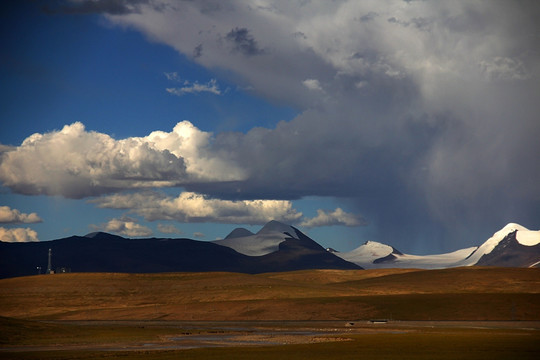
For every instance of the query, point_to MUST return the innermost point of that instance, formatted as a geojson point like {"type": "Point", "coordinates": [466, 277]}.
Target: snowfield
{"type": "Point", "coordinates": [371, 254]}
{"type": "Point", "coordinates": [264, 242]}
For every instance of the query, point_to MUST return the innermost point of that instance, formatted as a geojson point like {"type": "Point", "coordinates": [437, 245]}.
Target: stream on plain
{"type": "Point", "coordinates": [203, 334]}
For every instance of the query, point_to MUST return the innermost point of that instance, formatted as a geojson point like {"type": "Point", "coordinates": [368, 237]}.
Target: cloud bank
{"type": "Point", "coordinates": [336, 217]}
{"type": "Point", "coordinates": [14, 216]}
{"type": "Point", "coordinates": [168, 229]}
{"type": "Point", "coordinates": [18, 235]}
{"type": "Point", "coordinates": [124, 226]}
{"type": "Point", "coordinates": [423, 115]}
{"type": "Point", "coordinates": [192, 207]}
{"type": "Point", "coordinates": [428, 117]}
{"type": "Point", "coordinates": [76, 163]}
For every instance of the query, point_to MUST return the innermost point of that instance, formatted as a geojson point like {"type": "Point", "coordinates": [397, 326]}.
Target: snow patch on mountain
{"type": "Point", "coordinates": [436, 261]}
{"type": "Point", "coordinates": [367, 253]}
{"type": "Point", "coordinates": [491, 243]}
{"type": "Point", "coordinates": [265, 241]}
{"type": "Point", "coordinates": [528, 238]}
{"type": "Point", "coordinates": [376, 255]}
{"type": "Point", "coordinates": [373, 255]}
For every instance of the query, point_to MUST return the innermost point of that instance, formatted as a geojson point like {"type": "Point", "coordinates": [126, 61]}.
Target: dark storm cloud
{"type": "Point", "coordinates": [111, 7]}
{"type": "Point", "coordinates": [197, 52]}
{"type": "Point", "coordinates": [423, 114]}
{"type": "Point", "coordinates": [432, 134]}
{"type": "Point", "coordinates": [243, 42]}
{"type": "Point", "coordinates": [369, 16]}
{"type": "Point", "coordinates": [333, 153]}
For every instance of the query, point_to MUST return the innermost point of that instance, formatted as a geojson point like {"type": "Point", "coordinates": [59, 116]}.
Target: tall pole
{"type": "Point", "coordinates": [49, 265]}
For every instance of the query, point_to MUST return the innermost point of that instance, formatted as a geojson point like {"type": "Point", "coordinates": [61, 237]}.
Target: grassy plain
{"type": "Point", "coordinates": [450, 294]}
{"type": "Point", "coordinates": [433, 340]}
{"type": "Point", "coordinates": [143, 316]}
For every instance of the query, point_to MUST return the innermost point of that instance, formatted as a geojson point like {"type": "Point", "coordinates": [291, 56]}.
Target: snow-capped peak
{"type": "Point", "coordinates": [493, 241]}
{"type": "Point", "coordinates": [373, 254]}
{"type": "Point", "coordinates": [374, 248]}
{"type": "Point", "coordinates": [265, 241]}
{"type": "Point", "coordinates": [367, 252]}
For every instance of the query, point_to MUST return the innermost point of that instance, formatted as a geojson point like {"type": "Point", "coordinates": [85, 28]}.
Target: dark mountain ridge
{"type": "Point", "coordinates": [103, 252]}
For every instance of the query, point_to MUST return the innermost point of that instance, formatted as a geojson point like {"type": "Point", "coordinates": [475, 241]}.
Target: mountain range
{"type": "Point", "coordinates": [512, 246]}
{"type": "Point", "coordinates": [276, 247]}
{"type": "Point", "coordinates": [283, 248]}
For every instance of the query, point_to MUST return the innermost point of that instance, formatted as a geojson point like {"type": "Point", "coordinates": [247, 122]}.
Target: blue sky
{"type": "Point", "coordinates": [410, 123]}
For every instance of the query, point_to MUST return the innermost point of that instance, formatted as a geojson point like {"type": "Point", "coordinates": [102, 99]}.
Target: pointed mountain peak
{"type": "Point", "coordinates": [238, 233]}
{"type": "Point", "coordinates": [276, 226]}
{"type": "Point", "coordinates": [511, 227]}
{"type": "Point", "coordinates": [507, 229]}
{"type": "Point", "coordinates": [373, 243]}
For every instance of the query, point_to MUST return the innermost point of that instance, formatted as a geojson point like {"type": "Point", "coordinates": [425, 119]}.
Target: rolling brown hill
{"type": "Point", "coordinates": [402, 294]}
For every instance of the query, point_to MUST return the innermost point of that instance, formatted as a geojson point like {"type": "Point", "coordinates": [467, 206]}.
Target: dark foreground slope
{"type": "Point", "coordinates": [102, 252]}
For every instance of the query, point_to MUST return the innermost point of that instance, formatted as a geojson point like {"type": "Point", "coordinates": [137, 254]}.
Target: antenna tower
{"type": "Point", "coordinates": [49, 265]}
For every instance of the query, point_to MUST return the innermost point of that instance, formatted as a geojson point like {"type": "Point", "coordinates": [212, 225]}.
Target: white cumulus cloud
{"type": "Point", "coordinates": [203, 162]}
{"type": "Point", "coordinates": [76, 163]}
{"type": "Point", "coordinates": [124, 226]}
{"type": "Point", "coordinates": [168, 229]}
{"type": "Point", "coordinates": [312, 84]}
{"type": "Point", "coordinates": [336, 217]}
{"type": "Point", "coordinates": [14, 216]}
{"type": "Point", "coordinates": [192, 207]}
{"type": "Point", "coordinates": [18, 235]}
{"type": "Point", "coordinates": [173, 76]}
{"type": "Point", "coordinates": [195, 88]}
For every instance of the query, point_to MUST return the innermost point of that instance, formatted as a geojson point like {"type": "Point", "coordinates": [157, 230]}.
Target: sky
{"type": "Point", "coordinates": [412, 123]}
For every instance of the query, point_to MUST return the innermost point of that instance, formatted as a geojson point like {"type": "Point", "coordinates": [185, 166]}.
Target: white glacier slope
{"type": "Point", "coordinates": [264, 242]}
{"type": "Point", "coordinates": [373, 255]}
{"type": "Point", "coordinates": [366, 253]}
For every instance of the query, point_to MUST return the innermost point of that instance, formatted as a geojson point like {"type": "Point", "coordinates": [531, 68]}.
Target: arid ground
{"type": "Point", "coordinates": [468, 313]}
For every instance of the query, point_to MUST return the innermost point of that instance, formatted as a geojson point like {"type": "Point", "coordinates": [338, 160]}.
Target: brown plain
{"type": "Point", "coordinates": [472, 293]}
{"type": "Point", "coordinates": [47, 316]}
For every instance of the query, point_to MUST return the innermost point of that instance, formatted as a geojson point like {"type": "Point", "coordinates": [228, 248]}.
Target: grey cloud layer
{"type": "Point", "coordinates": [116, 7]}
{"type": "Point", "coordinates": [425, 112]}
